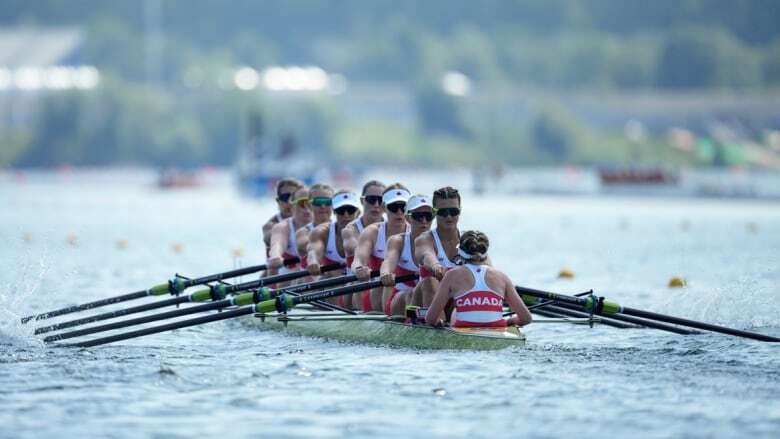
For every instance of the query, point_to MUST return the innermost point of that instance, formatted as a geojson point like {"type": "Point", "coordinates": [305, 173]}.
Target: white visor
{"type": "Point", "coordinates": [396, 196]}
{"type": "Point", "coordinates": [418, 201]}
{"type": "Point", "coordinates": [346, 199]}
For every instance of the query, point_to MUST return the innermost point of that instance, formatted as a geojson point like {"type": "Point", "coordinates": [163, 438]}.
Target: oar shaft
{"type": "Point", "coordinates": [112, 314]}
{"type": "Point", "coordinates": [138, 321]}
{"type": "Point", "coordinates": [608, 321]}
{"type": "Point", "coordinates": [633, 320]}
{"type": "Point", "coordinates": [229, 274]}
{"type": "Point", "coordinates": [167, 327]}
{"type": "Point", "coordinates": [198, 308]}
{"type": "Point", "coordinates": [86, 306]}
{"type": "Point", "coordinates": [611, 309]}
{"type": "Point", "coordinates": [698, 325]}
{"type": "Point", "coordinates": [270, 280]}
{"type": "Point", "coordinates": [176, 285]}
{"type": "Point", "coordinates": [262, 307]}
{"type": "Point", "coordinates": [286, 302]}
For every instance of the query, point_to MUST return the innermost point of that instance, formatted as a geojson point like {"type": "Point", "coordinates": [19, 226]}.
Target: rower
{"type": "Point", "coordinates": [371, 199]}
{"type": "Point", "coordinates": [285, 188]}
{"type": "Point", "coordinates": [478, 291]}
{"type": "Point", "coordinates": [372, 243]}
{"type": "Point", "coordinates": [326, 246]}
{"type": "Point", "coordinates": [321, 199]}
{"type": "Point", "coordinates": [436, 249]}
{"type": "Point", "coordinates": [284, 243]}
{"type": "Point", "coordinates": [399, 259]}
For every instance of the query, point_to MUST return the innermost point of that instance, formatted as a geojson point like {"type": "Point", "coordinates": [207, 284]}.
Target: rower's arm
{"type": "Point", "coordinates": [267, 227]}
{"type": "Point", "coordinates": [316, 247]}
{"type": "Point", "coordinates": [522, 316]}
{"type": "Point", "coordinates": [278, 242]}
{"type": "Point", "coordinates": [436, 310]}
{"type": "Point", "coordinates": [424, 250]}
{"type": "Point", "coordinates": [302, 239]}
{"type": "Point", "coordinates": [365, 247]}
{"type": "Point", "coordinates": [349, 238]}
{"type": "Point", "coordinates": [394, 247]}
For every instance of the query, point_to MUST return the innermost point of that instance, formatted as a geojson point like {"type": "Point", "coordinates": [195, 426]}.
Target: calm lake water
{"type": "Point", "coordinates": [72, 238]}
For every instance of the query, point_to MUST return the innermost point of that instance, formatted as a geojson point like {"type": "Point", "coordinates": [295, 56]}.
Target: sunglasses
{"type": "Point", "coordinates": [321, 201]}
{"type": "Point", "coordinates": [397, 207]}
{"type": "Point", "coordinates": [284, 198]}
{"type": "Point", "coordinates": [301, 202]}
{"type": "Point", "coordinates": [349, 210]}
{"type": "Point", "coordinates": [420, 216]}
{"type": "Point", "coordinates": [447, 211]}
{"type": "Point", "coordinates": [375, 200]}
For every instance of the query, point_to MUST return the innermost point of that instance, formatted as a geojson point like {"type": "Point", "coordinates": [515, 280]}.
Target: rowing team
{"type": "Point", "coordinates": [388, 230]}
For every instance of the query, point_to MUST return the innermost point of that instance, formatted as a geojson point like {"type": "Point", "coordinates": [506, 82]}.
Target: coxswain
{"type": "Point", "coordinates": [477, 290]}
{"type": "Point", "coordinates": [399, 258]}
{"type": "Point", "coordinates": [284, 244]}
{"type": "Point", "coordinates": [436, 250]}
{"type": "Point", "coordinates": [372, 243]}
{"type": "Point", "coordinates": [326, 246]}
{"type": "Point", "coordinates": [285, 188]}
{"type": "Point", "coordinates": [371, 200]}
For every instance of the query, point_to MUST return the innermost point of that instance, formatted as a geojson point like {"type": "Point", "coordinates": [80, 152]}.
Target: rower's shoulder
{"type": "Point", "coordinates": [424, 238]}
{"type": "Point", "coordinates": [371, 229]}
{"type": "Point", "coordinates": [458, 272]}
{"type": "Point", "coordinates": [319, 228]}
{"type": "Point", "coordinates": [496, 276]}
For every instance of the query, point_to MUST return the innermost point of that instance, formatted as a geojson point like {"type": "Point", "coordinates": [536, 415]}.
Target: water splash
{"type": "Point", "coordinates": [749, 301]}
{"type": "Point", "coordinates": [17, 294]}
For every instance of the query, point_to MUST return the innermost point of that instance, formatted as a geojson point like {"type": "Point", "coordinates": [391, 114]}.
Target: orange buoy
{"type": "Point", "coordinates": [565, 273]}
{"type": "Point", "coordinates": [177, 247]}
{"type": "Point", "coordinates": [677, 282]}
{"type": "Point", "coordinates": [237, 252]}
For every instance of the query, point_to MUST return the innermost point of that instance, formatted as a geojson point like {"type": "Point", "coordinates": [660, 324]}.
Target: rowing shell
{"type": "Point", "coordinates": [383, 331]}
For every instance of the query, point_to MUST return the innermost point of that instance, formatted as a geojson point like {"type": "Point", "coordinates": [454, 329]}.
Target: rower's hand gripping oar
{"type": "Point", "coordinates": [281, 303]}
{"type": "Point", "coordinates": [174, 286]}
{"type": "Point", "coordinates": [599, 306]}
{"type": "Point", "coordinates": [214, 292]}
{"type": "Point", "coordinates": [237, 300]}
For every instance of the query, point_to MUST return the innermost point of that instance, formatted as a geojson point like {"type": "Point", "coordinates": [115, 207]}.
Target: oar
{"type": "Point", "coordinates": [173, 286]}
{"type": "Point", "coordinates": [215, 292]}
{"type": "Point", "coordinates": [550, 310]}
{"type": "Point", "coordinates": [636, 321]}
{"type": "Point", "coordinates": [281, 303]}
{"type": "Point", "coordinates": [237, 300]}
{"type": "Point", "coordinates": [599, 306]}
